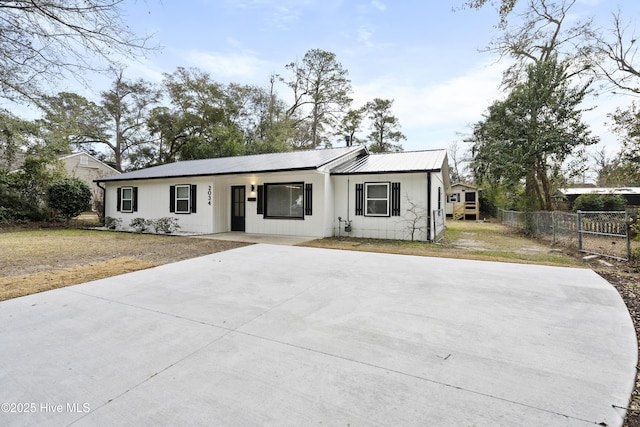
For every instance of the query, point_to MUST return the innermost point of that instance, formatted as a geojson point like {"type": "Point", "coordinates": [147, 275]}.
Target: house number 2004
{"type": "Point", "coordinates": [209, 195]}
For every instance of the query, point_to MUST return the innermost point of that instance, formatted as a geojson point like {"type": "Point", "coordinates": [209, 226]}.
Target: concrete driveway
{"type": "Point", "coordinates": [280, 335]}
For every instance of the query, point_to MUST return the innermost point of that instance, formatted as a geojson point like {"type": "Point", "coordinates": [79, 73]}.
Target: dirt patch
{"type": "Point", "coordinates": [17, 286]}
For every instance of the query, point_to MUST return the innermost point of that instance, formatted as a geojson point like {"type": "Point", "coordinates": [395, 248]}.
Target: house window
{"type": "Point", "coordinates": [182, 198]}
{"type": "Point", "coordinates": [376, 198]}
{"type": "Point", "coordinates": [84, 161]}
{"type": "Point", "coordinates": [453, 198]}
{"type": "Point", "coordinates": [284, 200]}
{"type": "Point", "coordinates": [127, 199]}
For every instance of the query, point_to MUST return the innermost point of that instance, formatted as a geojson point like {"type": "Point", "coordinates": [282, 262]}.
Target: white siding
{"type": "Point", "coordinates": [412, 186]}
{"type": "Point", "coordinates": [153, 203]}
{"type": "Point", "coordinates": [312, 225]}
{"type": "Point", "coordinates": [331, 196]}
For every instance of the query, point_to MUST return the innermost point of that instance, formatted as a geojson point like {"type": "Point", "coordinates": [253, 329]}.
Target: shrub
{"type": "Point", "coordinates": [599, 202]}
{"type": "Point", "coordinates": [112, 223]}
{"type": "Point", "coordinates": [140, 225]}
{"type": "Point", "coordinates": [70, 196]}
{"type": "Point", "coordinates": [165, 225]}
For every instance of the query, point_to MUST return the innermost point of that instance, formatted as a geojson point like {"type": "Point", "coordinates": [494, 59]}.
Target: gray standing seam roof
{"type": "Point", "coordinates": [271, 162]}
{"type": "Point", "coordinates": [408, 161]}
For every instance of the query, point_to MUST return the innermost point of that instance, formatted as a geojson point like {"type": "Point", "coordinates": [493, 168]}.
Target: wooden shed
{"type": "Point", "coordinates": [463, 202]}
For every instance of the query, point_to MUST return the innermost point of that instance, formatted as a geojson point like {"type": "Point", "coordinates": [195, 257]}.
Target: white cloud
{"type": "Point", "coordinates": [456, 100]}
{"type": "Point", "coordinates": [237, 67]}
{"type": "Point", "coordinates": [365, 36]}
{"type": "Point", "coordinates": [379, 5]}
{"type": "Point", "coordinates": [434, 114]}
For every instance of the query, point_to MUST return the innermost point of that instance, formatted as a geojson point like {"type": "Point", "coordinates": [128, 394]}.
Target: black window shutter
{"type": "Point", "coordinates": [172, 198]}
{"type": "Point", "coordinates": [194, 192]}
{"type": "Point", "coordinates": [308, 202]}
{"type": "Point", "coordinates": [119, 199]}
{"type": "Point", "coordinates": [260, 200]}
{"type": "Point", "coordinates": [395, 199]}
{"type": "Point", "coordinates": [359, 199]}
{"type": "Point", "coordinates": [135, 199]}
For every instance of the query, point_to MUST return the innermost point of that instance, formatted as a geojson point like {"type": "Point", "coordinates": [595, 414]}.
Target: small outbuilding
{"type": "Point", "coordinates": [315, 193]}
{"type": "Point", "coordinates": [463, 202]}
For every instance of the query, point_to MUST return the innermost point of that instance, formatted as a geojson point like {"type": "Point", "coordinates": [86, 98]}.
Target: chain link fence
{"type": "Point", "coordinates": [555, 227]}
{"type": "Point", "coordinates": [604, 233]}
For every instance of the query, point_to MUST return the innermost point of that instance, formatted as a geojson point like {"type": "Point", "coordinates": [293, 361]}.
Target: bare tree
{"type": "Point", "coordinates": [542, 35]}
{"type": "Point", "coordinates": [505, 8]}
{"type": "Point", "coordinates": [416, 219]}
{"type": "Point", "coordinates": [622, 69]}
{"type": "Point", "coordinates": [458, 162]}
{"type": "Point", "coordinates": [44, 41]}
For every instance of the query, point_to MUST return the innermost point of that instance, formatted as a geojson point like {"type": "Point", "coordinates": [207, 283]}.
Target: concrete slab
{"type": "Point", "coordinates": [280, 335]}
{"type": "Point", "coordinates": [271, 239]}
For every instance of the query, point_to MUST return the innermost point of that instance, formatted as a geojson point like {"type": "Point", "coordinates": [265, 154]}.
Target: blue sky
{"type": "Point", "coordinates": [422, 54]}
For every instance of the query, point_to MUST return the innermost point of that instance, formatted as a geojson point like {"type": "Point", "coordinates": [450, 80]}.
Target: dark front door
{"type": "Point", "coordinates": [237, 207]}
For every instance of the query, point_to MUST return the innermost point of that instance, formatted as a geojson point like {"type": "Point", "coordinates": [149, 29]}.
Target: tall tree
{"type": "Point", "coordinates": [265, 124]}
{"type": "Point", "coordinates": [626, 124]}
{"type": "Point", "coordinates": [505, 8]}
{"type": "Point", "coordinates": [458, 162]}
{"type": "Point", "coordinates": [43, 41]}
{"type": "Point", "coordinates": [71, 122]}
{"type": "Point", "coordinates": [350, 126]}
{"type": "Point", "coordinates": [531, 133]}
{"type": "Point", "coordinates": [127, 104]}
{"type": "Point", "coordinates": [547, 30]}
{"type": "Point", "coordinates": [205, 115]}
{"type": "Point", "coordinates": [622, 68]}
{"type": "Point", "coordinates": [15, 137]}
{"type": "Point", "coordinates": [321, 92]}
{"type": "Point", "coordinates": [384, 136]}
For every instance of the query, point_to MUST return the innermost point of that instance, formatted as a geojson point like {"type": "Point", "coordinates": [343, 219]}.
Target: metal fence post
{"type": "Point", "coordinates": [627, 222]}
{"type": "Point", "coordinates": [579, 230]}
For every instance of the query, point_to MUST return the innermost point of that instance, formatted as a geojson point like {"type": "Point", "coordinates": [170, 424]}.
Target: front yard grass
{"type": "Point", "coordinates": [483, 241]}
{"type": "Point", "coordinates": [38, 260]}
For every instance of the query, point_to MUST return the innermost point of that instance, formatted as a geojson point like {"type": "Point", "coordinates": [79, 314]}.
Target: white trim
{"type": "Point", "coordinates": [188, 199]}
{"type": "Point", "coordinates": [386, 199]}
{"type": "Point", "coordinates": [123, 199]}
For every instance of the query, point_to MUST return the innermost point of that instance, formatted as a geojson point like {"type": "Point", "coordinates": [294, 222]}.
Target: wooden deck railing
{"type": "Point", "coordinates": [462, 209]}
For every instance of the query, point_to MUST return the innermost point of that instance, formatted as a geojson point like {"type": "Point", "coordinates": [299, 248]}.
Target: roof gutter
{"type": "Point", "coordinates": [107, 179]}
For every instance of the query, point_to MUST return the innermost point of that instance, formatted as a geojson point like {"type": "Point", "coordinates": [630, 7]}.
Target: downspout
{"type": "Point", "coordinates": [104, 198]}
{"type": "Point", "coordinates": [429, 206]}
{"type": "Point", "coordinates": [348, 189]}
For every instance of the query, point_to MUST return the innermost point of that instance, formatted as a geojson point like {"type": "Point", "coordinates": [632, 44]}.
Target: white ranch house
{"type": "Point", "coordinates": [316, 193]}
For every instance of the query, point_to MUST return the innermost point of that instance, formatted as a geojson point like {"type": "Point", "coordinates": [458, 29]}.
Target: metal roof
{"type": "Point", "coordinates": [600, 190]}
{"type": "Point", "coordinates": [271, 162]}
{"type": "Point", "coordinates": [407, 161]}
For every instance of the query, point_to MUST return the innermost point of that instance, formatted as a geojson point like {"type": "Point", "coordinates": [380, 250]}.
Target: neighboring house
{"type": "Point", "coordinates": [463, 201]}
{"type": "Point", "coordinates": [632, 194]}
{"type": "Point", "coordinates": [89, 169]}
{"type": "Point", "coordinates": [316, 193]}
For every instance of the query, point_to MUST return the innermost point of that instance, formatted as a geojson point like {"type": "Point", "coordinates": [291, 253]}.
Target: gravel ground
{"type": "Point", "coordinates": [628, 286]}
